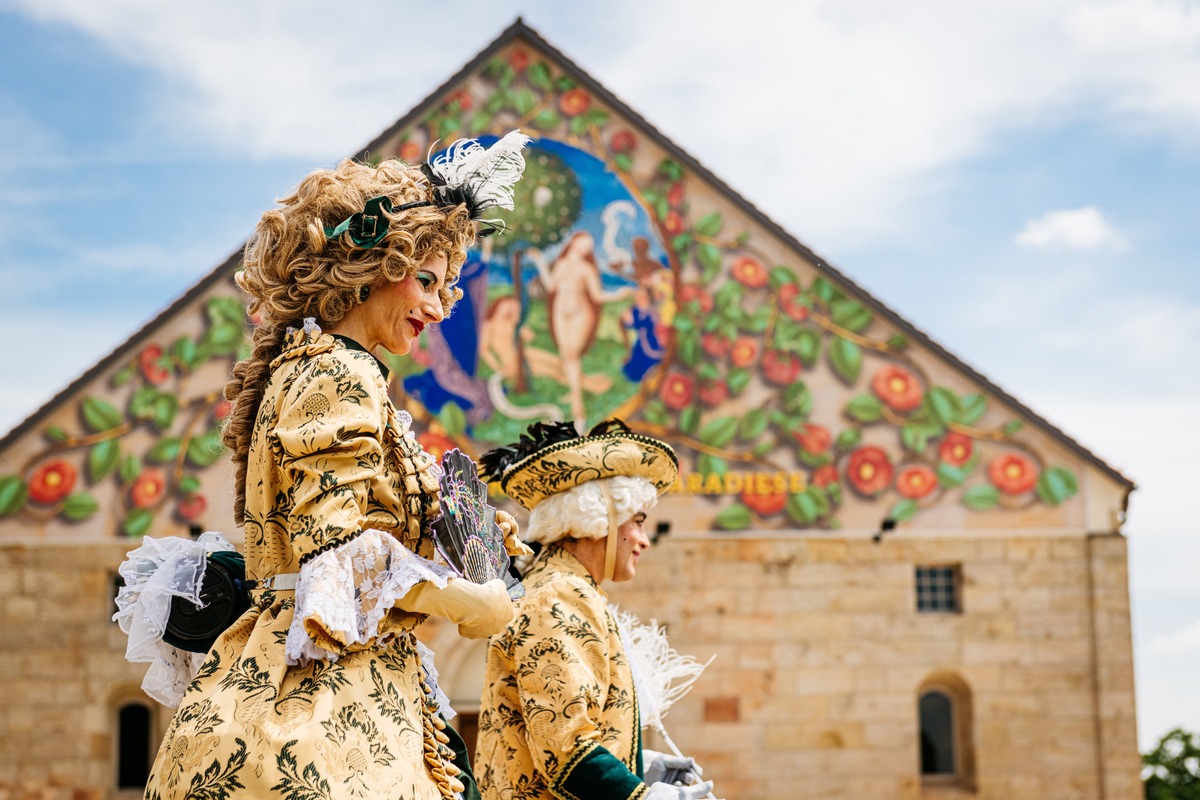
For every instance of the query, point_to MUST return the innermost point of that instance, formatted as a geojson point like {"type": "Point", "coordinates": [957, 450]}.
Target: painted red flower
{"type": "Point", "coordinates": [1012, 473]}
{"type": "Point", "coordinates": [574, 102]}
{"type": "Point", "coordinates": [677, 391]}
{"type": "Point", "coordinates": [825, 476]}
{"type": "Point", "coordinates": [869, 470]}
{"type": "Point", "coordinates": [191, 508]}
{"type": "Point", "coordinates": [816, 439]}
{"type": "Point", "coordinates": [148, 488]}
{"type": "Point", "coordinates": [765, 505]}
{"type": "Point", "coordinates": [675, 195]}
{"type": "Point", "coordinates": [898, 388]}
{"type": "Point", "coordinates": [916, 481]}
{"type": "Point", "coordinates": [221, 409]}
{"type": "Point", "coordinates": [749, 272]}
{"type": "Point", "coordinates": [52, 482]}
{"type": "Point", "coordinates": [714, 345]}
{"type": "Point", "coordinates": [780, 368]}
{"type": "Point", "coordinates": [623, 141]}
{"type": "Point", "coordinates": [519, 59]}
{"type": "Point", "coordinates": [690, 292]}
{"type": "Point", "coordinates": [148, 360]}
{"type": "Point", "coordinates": [713, 393]}
{"type": "Point", "coordinates": [463, 98]}
{"type": "Point", "coordinates": [673, 224]}
{"type": "Point", "coordinates": [744, 352]}
{"type": "Point", "coordinates": [435, 443]}
{"type": "Point", "coordinates": [956, 449]}
{"type": "Point", "coordinates": [410, 151]}
{"type": "Point", "coordinates": [789, 302]}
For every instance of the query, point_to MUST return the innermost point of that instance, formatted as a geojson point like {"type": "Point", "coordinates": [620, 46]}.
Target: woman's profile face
{"type": "Point", "coordinates": [397, 313]}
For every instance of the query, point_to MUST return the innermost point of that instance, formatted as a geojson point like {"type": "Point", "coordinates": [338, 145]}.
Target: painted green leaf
{"type": "Point", "coordinates": [797, 400]}
{"type": "Point", "coordinates": [55, 434]}
{"type": "Point", "coordinates": [708, 370]}
{"type": "Point", "coordinates": [752, 425]}
{"type": "Point", "coordinates": [122, 376]}
{"type": "Point", "coordinates": [141, 404]}
{"type": "Point", "coordinates": [812, 459]}
{"type": "Point", "coordinates": [539, 76]}
{"type": "Point", "coordinates": [547, 120]}
{"type": "Point", "coordinates": [738, 380]}
{"type": "Point", "coordinates": [801, 508]}
{"type": "Point", "coordinates": [448, 126]}
{"type": "Point", "coordinates": [848, 439]}
{"type": "Point", "coordinates": [13, 494]}
{"type": "Point", "coordinates": [226, 309]}
{"type": "Point", "coordinates": [710, 224]}
{"type": "Point", "coordinates": [524, 101]}
{"type": "Point", "coordinates": [189, 484]}
{"type": "Point", "coordinates": [184, 349]}
{"type": "Point", "coordinates": [654, 411]}
{"type": "Point", "coordinates": [904, 510]}
{"type": "Point", "coordinates": [981, 497]}
{"type": "Point", "coordinates": [164, 451]}
{"type": "Point", "coordinates": [850, 315]}
{"type": "Point", "coordinates": [138, 522]}
{"type": "Point", "coordinates": [865, 408]}
{"type": "Point", "coordinates": [690, 351]}
{"type": "Point", "coordinates": [205, 449]}
{"type": "Point", "coordinates": [846, 359]}
{"type": "Point", "coordinates": [1011, 427]}
{"type": "Point", "coordinates": [165, 409]}
{"type": "Point", "coordinates": [480, 121]}
{"type": "Point", "coordinates": [734, 517]}
{"type": "Point", "coordinates": [942, 405]}
{"type": "Point", "coordinates": [597, 117]}
{"type": "Point", "coordinates": [623, 162]}
{"type": "Point", "coordinates": [223, 338]}
{"type": "Point", "coordinates": [720, 431]}
{"type": "Point", "coordinates": [563, 84]}
{"type": "Point", "coordinates": [102, 458]}
{"type": "Point", "coordinates": [689, 419]}
{"type": "Point", "coordinates": [1056, 485]}
{"type": "Point", "coordinates": [808, 346]}
{"type": "Point", "coordinates": [79, 506]}
{"type": "Point", "coordinates": [711, 465]}
{"type": "Point", "coordinates": [100, 415]}
{"type": "Point", "coordinates": [671, 169]}
{"type": "Point", "coordinates": [781, 275]}
{"type": "Point", "coordinates": [762, 448]}
{"type": "Point", "coordinates": [823, 290]}
{"type": "Point", "coordinates": [579, 125]}
{"type": "Point", "coordinates": [949, 476]}
{"type": "Point", "coordinates": [131, 467]}
{"type": "Point", "coordinates": [916, 435]}
{"type": "Point", "coordinates": [710, 260]}
{"type": "Point", "coordinates": [897, 342]}
{"type": "Point", "coordinates": [681, 242]}
{"type": "Point", "coordinates": [453, 419]}
{"type": "Point", "coordinates": [972, 408]}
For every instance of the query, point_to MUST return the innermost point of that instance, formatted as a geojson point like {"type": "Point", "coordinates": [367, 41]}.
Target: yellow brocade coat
{"type": "Point", "coordinates": [332, 470]}
{"type": "Point", "coordinates": [559, 716]}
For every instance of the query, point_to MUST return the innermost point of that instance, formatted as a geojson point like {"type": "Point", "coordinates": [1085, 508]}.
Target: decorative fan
{"type": "Point", "coordinates": [466, 534]}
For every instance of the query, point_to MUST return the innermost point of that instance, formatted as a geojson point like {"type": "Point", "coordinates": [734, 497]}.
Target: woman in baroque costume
{"type": "Point", "coordinates": [320, 689]}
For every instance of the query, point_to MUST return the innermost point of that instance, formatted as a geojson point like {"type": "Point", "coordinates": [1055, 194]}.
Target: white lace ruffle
{"type": "Point", "coordinates": [351, 587]}
{"type": "Point", "coordinates": [154, 573]}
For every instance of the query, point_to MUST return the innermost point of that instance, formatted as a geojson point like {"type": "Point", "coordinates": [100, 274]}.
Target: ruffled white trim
{"type": "Point", "coordinates": [351, 587]}
{"type": "Point", "coordinates": [154, 573]}
{"type": "Point", "coordinates": [431, 676]}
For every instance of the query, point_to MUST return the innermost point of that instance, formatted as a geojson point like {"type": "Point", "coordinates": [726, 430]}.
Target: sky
{"type": "Point", "coordinates": [1018, 178]}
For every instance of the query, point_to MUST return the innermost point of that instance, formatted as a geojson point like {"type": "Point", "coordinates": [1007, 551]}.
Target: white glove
{"type": "Point", "coordinates": [671, 769]}
{"type": "Point", "coordinates": [665, 791]}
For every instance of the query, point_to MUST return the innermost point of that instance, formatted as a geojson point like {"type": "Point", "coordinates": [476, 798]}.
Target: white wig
{"type": "Point", "coordinates": [582, 513]}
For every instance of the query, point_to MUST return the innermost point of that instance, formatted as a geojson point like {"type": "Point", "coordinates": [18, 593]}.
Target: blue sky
{"type": "Point", "coordinates": [1020, 179]}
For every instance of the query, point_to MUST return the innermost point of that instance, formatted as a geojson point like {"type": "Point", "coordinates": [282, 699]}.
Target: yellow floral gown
{"type": "Point", "coordinates": [559, 716]}
{"type": "Point", "coordinates": [322, 692]}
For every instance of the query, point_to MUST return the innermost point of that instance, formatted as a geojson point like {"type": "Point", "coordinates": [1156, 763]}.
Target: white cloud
{"type": "Point", "coordinates": [1183, 641]}
{"type": "Point", "coordinates": [1072, 229]}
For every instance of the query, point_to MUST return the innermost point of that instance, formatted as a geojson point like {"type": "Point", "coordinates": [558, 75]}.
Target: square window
{"type": "Point", "coordinates": [937, 589]}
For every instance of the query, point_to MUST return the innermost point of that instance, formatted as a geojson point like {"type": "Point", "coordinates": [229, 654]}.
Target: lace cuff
{"type": "Point", "coordinates": [344, 593]}
{"type": "Point", "coordinates": [154, 573]}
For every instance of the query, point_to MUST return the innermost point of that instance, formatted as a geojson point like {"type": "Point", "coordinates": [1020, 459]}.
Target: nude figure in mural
{"type": "Point", "coordinates": [574, 299]}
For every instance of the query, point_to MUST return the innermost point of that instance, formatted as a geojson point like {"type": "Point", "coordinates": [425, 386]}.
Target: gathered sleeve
{"type": "Point", "coordinates": [563, 669]}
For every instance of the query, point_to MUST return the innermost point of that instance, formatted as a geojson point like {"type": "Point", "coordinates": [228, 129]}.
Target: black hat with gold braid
{"type": "Point", "coordinates": [552, 457]}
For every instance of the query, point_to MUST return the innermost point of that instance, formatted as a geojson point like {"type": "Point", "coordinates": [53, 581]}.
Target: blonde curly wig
{"type": "Point", "coordinates": [292, 271]}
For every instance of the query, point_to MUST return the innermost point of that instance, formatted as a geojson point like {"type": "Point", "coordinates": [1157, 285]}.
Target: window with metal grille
{"type": "Point", "coordinates": [937, 589]}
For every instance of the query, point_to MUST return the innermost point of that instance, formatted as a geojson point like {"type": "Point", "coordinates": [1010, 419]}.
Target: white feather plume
{"type": "Point", "coordinates": [487, 174]}
{"type": "Point", "coordinates": [661, 674]}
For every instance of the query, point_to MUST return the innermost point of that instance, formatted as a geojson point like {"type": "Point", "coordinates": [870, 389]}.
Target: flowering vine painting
{"type": "Point", "coordinates": [628, 286]}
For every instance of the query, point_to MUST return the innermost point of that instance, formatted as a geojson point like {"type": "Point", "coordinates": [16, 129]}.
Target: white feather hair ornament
{"type": "Point", "coordinates": [661, 675]}
{"type": "Point", "coordinates": [480, 177]}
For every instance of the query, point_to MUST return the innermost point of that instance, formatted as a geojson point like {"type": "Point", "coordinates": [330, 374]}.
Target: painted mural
{"type": "Point", "coordinates": [625, 287]}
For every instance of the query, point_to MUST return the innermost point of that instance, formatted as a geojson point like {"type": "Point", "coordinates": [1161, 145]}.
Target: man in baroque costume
{"type": "Point", "coordinates": [559, 714]}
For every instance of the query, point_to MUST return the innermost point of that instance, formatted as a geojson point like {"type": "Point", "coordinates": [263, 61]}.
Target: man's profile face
{"type": "Point", "coordinates": [631, 543]}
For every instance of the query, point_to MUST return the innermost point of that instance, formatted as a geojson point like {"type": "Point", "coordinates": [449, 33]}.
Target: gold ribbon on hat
{"type": "Point", "coordinates": [610, 552]}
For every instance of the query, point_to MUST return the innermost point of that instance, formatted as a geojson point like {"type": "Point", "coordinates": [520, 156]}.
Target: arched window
{"type": "Point", "coordinates": [945, 731]}
{"type": "Point", "coordinates": [134, 740]}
